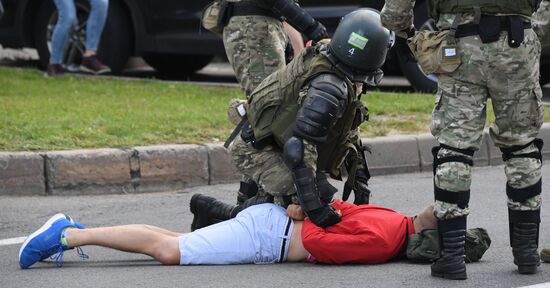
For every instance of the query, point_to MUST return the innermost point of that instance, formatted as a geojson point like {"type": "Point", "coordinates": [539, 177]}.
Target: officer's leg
{"type": "Point", "coordinates": [519, 116]}
{"type": "Point", "coordinates": [457, 123]}
{"type": "Point", "coordinates": [208, 210]}
{"type": "Point", "coordinates": [523, 171]}
{"type": "Point", "coordinates": [516, 95]}
{"type": "Point", "coordinates": [265, 167]}
{"type": "Point", "coordinates": [255, 46]}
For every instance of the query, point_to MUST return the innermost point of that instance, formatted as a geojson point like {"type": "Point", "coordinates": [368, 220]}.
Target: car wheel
{"type": "Point", "coordinates": [116, 40]}
{"type": "Point", "coordinates": [410, 68]}
{"type": "Point", "coordinates": [177, 65]}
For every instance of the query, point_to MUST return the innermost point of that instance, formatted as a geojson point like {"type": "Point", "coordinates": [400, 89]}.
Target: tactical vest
{"type": "Point", "coordinates": [487, 7]}
{"type": "Point", "coordinates": [273, 106]}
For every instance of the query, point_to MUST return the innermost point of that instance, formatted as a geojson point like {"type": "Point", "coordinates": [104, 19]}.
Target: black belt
{"type": "Point", "coordinates": [283, 245]}
{"type": "Point", "coordinates": [247, 9]}
{"type": "Point", "coordinates": [471, 29]}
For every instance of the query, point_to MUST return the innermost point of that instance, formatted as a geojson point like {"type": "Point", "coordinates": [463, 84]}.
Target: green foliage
{"type": "Point", "coordinates": [71, 112]}
{"type": "Point", "coordinates": [41, 113]}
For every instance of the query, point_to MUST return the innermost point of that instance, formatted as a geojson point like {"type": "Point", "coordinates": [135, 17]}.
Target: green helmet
{"type": "Point", "coordinates": [361, 42]}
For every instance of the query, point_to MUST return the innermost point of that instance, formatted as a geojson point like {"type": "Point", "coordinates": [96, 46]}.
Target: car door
{"type": "Point", "coordinates": [173, 16]}
{"type": "Point", "coordinates": [330, 12]}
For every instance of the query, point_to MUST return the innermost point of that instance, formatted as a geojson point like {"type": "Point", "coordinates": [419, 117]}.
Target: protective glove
{"type": "Point", "coordinates": [326, 190]}
{"type": "Point", "coordinates": [360, 189]}
{"type": "Point", "coordinates": [317, 32]}
{"type": "Point", "coordinates": [324, 217]}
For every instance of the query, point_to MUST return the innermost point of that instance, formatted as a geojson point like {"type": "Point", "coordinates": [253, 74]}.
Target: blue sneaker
{"type": "Point", "coordinates": [46, 242]}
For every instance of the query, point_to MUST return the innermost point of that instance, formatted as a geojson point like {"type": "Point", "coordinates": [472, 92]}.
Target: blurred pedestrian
{"type": "Point", "coordinates": [66, 21]}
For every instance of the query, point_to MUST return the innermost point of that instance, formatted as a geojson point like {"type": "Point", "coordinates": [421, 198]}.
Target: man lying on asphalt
{"type": "Point", "coordinates": [264, 233]}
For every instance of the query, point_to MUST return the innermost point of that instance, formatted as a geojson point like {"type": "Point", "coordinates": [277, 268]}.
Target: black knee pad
{"type": "Point", "coordinates": [508, 153]}
{"type": "Point", "coordinates": [454, 158]}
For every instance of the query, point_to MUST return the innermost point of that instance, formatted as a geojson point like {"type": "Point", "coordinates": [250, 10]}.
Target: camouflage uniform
{"type": "Point", "coordinates": [255, 46]}
{"type": "Point", "coordinates": [266, 166]}
{"type": "Point", "coordinates": [460, 107]}
{"type": "Point", "coordinates": [510, 77]}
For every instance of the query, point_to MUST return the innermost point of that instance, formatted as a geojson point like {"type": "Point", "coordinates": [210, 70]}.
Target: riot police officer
{"type": "Point", "coordinates": [486, 48]}
{"type": "Point", "coordinates": [255, 42]}
{"type": "Point", "coordinates": [303, 120]}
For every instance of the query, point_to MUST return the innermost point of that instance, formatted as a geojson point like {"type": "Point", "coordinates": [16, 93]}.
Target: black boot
{"type": "Point", "coordinates": [524, 238]}
{"type": "Point", "coordinates": [247, 190]}
{"type": "Point", "coordinates": [256, 200]}
{"type": "Point", "coordinates": [451, 263]}
{"type": "Point", "coordinates": [207, 211]}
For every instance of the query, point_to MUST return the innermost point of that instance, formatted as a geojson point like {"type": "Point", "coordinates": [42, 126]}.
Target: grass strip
{"type": "Point", "coordinates": [39, 113]}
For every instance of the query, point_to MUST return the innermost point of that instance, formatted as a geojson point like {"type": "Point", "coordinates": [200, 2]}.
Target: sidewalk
{"type": "Point", "coordinates": [176, 167]}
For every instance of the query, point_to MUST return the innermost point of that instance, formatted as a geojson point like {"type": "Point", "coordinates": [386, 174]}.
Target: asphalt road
{"type": "Point", "coordinates": [406, 193]}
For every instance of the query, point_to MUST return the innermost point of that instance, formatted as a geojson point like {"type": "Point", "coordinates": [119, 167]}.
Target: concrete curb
{"type": "Point", "coordinates": [176, 167]}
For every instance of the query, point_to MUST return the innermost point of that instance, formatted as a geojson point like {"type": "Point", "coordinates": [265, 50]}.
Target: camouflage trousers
{"type": "Point", "coordinates": [255, 47]}
{"type": "Point", "coordinates": [509, 76]}
{"type": "Point", "coordinates": [267, 168]}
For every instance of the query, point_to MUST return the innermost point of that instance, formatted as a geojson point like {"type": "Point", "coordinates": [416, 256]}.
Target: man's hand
{"type": "Point", "coordinates": [317, 33]}
{"type": "Point", "coordinates": [361, 189]}
{"type": "Point", "coordinates": [324, 217]}
{"type": "Point", "coordinates": [295, 212]}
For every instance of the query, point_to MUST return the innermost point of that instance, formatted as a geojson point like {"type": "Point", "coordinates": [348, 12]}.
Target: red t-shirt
{"type": "Point", "coordinates": [367, 234]}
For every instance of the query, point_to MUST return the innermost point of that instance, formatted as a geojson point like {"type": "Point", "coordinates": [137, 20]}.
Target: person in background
{"type": "Point", "coordinates": [66, 20]}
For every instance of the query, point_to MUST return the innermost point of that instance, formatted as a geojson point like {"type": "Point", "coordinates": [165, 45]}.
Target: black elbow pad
{"type": "Point", "coordinates": [324, 104]}
{"type": "Point", "coordinates": [293, 152]}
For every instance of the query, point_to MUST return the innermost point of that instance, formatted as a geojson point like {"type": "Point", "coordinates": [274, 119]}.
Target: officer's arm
{"type": "Point", "coordinates": [397, 15]}
{"type": "Point", "coordinates": [358, 171]}
{"type": "Point", "coordinates": [299, 19]}
{"type": "Point", "coordinates": [323, 105]}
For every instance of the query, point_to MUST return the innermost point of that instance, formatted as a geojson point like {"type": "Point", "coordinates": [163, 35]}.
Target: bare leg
{"type": "Point", "coordinates": [163, 231]}
{"type": "Point", "coordinates": [163, 245]}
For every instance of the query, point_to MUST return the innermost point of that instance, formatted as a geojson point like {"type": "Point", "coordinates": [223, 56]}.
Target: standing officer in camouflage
{"type": "Point", "coordinates": [541, 25]}
{"type": "Point", "coordinates": [304, 119]}
{"type": "Point", "coordinates": [255, 42]}
{"type": "Point", "coordinates": [486, 49]}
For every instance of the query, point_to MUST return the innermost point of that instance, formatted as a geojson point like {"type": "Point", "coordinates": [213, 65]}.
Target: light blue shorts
{"type": "Point", "coordinates": [259, 234]}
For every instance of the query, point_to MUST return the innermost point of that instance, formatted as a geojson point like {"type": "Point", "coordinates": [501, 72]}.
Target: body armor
{"type": "Point", "coordinates": [273, 107]}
